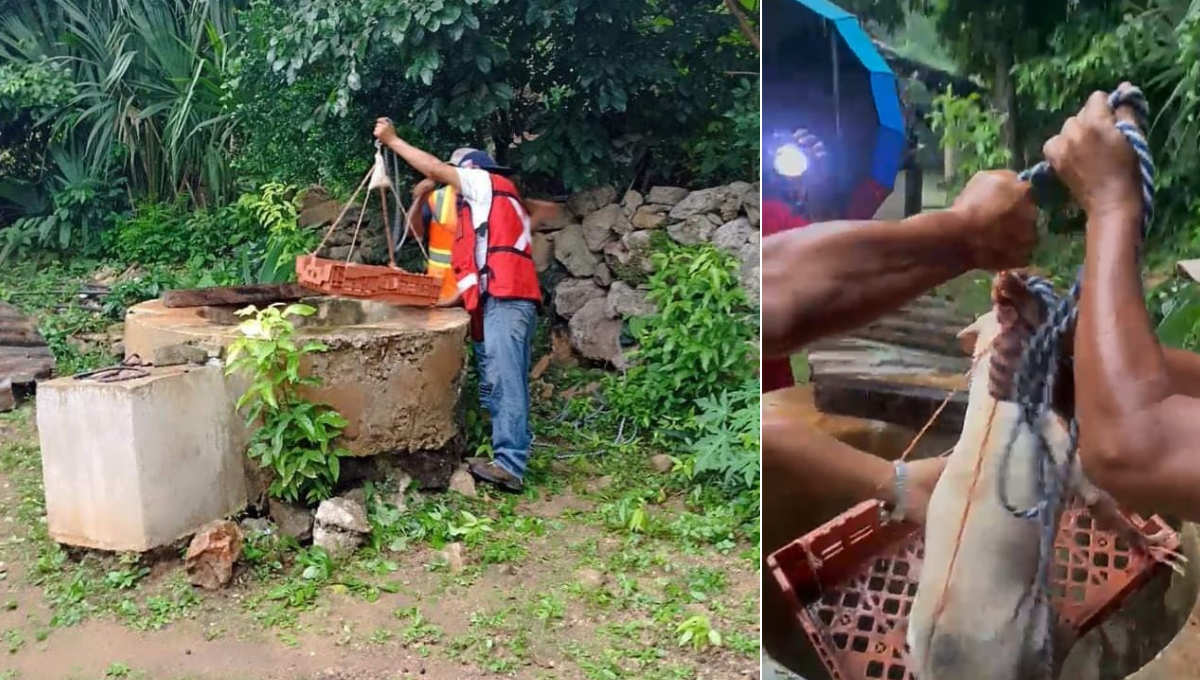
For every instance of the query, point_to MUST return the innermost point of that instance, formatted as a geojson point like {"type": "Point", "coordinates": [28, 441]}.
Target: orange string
{"type": "Point", "coordinates": [941, 603]}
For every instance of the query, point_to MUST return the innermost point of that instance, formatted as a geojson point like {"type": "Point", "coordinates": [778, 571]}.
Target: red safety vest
{"type": "Point", "coordinates": [508, 272]}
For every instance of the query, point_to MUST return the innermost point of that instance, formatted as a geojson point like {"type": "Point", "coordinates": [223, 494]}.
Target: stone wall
{"type": "Point", "coordinates": [596, 259]}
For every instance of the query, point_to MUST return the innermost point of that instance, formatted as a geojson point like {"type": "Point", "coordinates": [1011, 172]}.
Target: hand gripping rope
{"type": "Point", "coordinates": [1034, 382]}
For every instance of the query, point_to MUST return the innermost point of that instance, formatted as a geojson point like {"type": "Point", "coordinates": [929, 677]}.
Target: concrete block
{"type": "Point", "coordinates": [135, 465]}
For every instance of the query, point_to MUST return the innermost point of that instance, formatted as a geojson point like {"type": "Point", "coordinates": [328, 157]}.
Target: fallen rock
{"type": "Point", "coordinates": [341, 526]}
{"type": "Point", "coordinates": [292, 520]}
{"type": "Point", "coordinates": [590, 579]}
{"type": "Point", "coordinates": [603, 276]}
{"type": "Point", "coordinates": [595, 335]}
{"type": "Point", "coordinates": [462, 482]}
{"type": "Point", "coordinates": [694, 230]}
{"type": "Point", "coordinates": [697, 202]}
{"type": "Point", "coordinates": [666, 195]}
{"type": "Point", "coordinates": [339, 544]}
{"type": "Point", "coordinates": [733, 235]}
{"type": "Point", "coordinates": [454, 557]}
{"type": "Point", "coordinates": [649, 217]}
{"type": "Point", "coordinates": [631, 201]}
{"type": "Point", "coordinates": [572, 250]}
{"type": "Point", "coordinates": [662, 463]}
{"type": "Point", "coordinates": [624, 301]}
{"type": "Point", "coordinates": [257, 526]}
{"type": "Point", "coordinates": [572, 294]}
{"type": "Point", "coordinates": [344, 514]}
{"type": "Point", "coordinates": [599, 226]}
{"type": "Point", "coordinates": [543, 251]}
{"type": "Point", "coordinates": [591, 200]}
{"type": "Point", "coordinates": [214, 550]}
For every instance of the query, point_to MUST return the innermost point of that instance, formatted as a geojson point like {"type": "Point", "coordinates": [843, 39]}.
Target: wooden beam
{"type": "Point", "coordinates": [235, 295]}
{"type": "Point", "coordinates": [908, 405]}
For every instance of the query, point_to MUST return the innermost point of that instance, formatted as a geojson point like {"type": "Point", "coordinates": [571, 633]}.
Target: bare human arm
{"type": "Point", "coordinates": [1139, 432]}
{"type": "Point", "coordinates": [833, 277]}
{"type": "Point", "coordinates": [810, 463]}
{"type": "Point", "coordinates": [422, 161]}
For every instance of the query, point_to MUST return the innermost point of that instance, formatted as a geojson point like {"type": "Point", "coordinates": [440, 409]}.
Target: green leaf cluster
{"type": "Point", "coordinates": [698, 342]}
{"type": "Point", "coordinates": [292, 436]}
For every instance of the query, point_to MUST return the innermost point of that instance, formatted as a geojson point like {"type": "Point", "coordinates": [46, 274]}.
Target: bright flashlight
{"type": "Point", "coordinates": [790, 161]}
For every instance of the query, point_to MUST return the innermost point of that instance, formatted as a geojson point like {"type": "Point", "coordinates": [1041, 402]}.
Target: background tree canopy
{"type": "Point", "coordinates": [107, 103]}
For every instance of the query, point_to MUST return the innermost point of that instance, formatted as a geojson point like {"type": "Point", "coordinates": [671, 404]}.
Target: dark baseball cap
{"type": "Point", "coordinates": [474, 158]}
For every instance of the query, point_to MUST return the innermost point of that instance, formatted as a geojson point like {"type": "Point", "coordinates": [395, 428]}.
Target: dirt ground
{"type": "Point", "coordinates": [551, 590]}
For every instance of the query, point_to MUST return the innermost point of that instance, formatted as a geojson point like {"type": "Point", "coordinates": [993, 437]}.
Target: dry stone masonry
{"type": "Point", "coordinates": [597, 259]}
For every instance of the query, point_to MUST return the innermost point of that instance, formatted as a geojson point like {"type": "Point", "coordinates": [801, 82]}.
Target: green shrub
{"type": "Point", "coordinates": [170, 233]}
{"type": "Point", "coordinates": [696, 344]}
{"type": "Point", "coordinates": [295, 436]}
{"type": "Point", "coordinates": [728, 446]}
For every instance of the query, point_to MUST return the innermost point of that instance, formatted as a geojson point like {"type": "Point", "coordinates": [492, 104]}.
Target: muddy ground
{"type": "Point", "coordinates": [565, 581]}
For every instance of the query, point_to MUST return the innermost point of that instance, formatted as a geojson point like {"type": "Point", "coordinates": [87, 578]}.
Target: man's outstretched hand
{"type": "Point", "coordinates": [1097, 164]}
{"type": "Point", "coordinates": [998, 220]}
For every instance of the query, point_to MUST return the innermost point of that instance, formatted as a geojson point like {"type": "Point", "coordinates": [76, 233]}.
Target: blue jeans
{"type": "Point", "coordinates": [502, 360]}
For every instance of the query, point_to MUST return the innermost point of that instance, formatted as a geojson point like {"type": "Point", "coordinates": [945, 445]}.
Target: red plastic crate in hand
{"type": "Point", "coordinates": [852, 582]}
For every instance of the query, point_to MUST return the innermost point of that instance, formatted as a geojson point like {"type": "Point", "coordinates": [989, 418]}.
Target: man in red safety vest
{"type": "Point", "coordinates": [492, 263]}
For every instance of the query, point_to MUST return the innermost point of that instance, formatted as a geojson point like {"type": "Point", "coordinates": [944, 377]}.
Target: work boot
{"type": "Point", "coordinates": [488, 471]}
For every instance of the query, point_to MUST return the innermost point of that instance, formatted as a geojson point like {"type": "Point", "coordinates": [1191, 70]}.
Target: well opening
{"type": "Point", "coordinates": [1147, 638]}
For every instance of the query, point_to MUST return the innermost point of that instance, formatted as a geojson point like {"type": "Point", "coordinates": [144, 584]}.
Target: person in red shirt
{"type": "Point", "coordinates": [790, 193]}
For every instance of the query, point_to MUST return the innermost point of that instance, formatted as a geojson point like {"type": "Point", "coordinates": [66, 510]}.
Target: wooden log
{"type": "Point", "coordinates": [235, 295]}
{"type": "Point", "coordinates": [907, 405]}
{"type": "Point", "coordinates": [24, 365]}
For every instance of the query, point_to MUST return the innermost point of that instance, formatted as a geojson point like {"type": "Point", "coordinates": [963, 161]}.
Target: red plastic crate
{"type": "Point", "coordinates": [852, 582]}
{"type": "Point", "coordinates": [386, 284]}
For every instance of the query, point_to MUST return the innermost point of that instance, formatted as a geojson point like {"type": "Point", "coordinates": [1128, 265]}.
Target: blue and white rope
{"type": "Point", "coordinates": [1034, 382]}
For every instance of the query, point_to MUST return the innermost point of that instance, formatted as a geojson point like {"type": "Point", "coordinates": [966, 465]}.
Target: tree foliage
{"type": "Point", "coordinates": [578, 90]}
{"type": "Point", "coordinates": [145, 81]}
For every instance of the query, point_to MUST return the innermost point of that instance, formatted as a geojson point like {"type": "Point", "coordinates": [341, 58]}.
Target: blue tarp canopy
{"type": "Point", "coordinates": [822, 72]}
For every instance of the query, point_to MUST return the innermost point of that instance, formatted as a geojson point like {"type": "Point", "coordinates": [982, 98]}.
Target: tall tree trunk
{"type": "Point", "coordinates": [1005, 97]}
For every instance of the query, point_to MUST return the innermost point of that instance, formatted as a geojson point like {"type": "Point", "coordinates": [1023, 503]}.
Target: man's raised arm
{"type": "Point", "coordinates": [1139, 430]}
{"type": "Point", "coordinates": [833, 277]}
